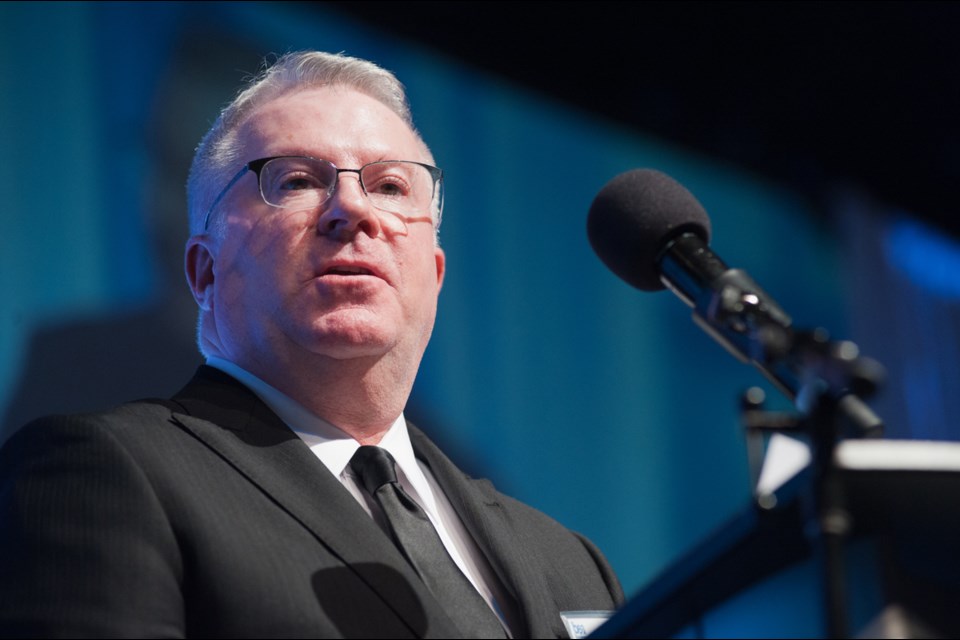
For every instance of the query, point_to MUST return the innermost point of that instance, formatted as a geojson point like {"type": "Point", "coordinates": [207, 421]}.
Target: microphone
{"type": "Point", "coordinates": [649, 230]}
{"type": "Point", "coordinates": [653, 233]}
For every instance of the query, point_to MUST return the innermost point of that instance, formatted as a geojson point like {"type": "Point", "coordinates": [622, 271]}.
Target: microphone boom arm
{"type": "Point", "coordinates": [742, 318]}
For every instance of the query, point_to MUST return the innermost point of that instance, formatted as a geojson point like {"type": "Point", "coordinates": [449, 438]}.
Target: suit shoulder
{"type": "Point", "coordinates": [125, 426]}
{"type": "Point", "coordinates": [114, 417]}
{"type": "Point", "coordinates": [83, 525]}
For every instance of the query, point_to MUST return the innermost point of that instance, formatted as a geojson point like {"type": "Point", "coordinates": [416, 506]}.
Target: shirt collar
{"type": "Point", "coordinates": [331, 445]}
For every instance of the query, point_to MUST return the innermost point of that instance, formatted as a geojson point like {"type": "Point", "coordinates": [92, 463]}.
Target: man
{"type": "Point", "coordinates": [246, 504]}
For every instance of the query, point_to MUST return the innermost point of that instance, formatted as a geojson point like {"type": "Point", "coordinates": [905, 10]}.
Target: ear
{"type": "Point", "coordinates": [198, 264]}
{"type": "Point", "coordinates": [441, 259]}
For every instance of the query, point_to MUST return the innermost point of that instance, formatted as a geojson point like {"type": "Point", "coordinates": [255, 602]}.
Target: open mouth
{"type": "Point", "coordinates": [347, 270]}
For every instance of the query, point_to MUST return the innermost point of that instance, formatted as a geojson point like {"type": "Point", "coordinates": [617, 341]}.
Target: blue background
{"type": "Point", "coordinates": [602, 406]}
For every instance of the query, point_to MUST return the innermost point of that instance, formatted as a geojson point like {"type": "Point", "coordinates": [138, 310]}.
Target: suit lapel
{"type": "Point", "coordinates": [233, 422]}
{"type": "Point", "coordinates": [511, 556]}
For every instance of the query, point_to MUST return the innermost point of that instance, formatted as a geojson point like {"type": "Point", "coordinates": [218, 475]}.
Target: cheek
{"type": "Point", "coordinates": [237, 288]}
{"type": "Point", "coordinates": [267, 231]}
{"type": "Point", "coordinates": [268, 249]}
{"type": "Point", "coordinates": [424, 287]}
{"type": "Point", "coordinates": [254, 280]}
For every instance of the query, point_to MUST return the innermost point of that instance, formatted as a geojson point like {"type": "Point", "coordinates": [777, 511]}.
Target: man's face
{"type": "Point", "coordinates": [343, 280]}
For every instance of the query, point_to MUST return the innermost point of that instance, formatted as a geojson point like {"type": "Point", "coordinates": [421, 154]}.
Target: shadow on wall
{"type": "Point", "coordinates": [147, 349]}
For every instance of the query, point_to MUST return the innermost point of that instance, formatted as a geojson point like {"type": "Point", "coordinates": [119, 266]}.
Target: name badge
{"type": "Point", "coordinates": [580, 624]}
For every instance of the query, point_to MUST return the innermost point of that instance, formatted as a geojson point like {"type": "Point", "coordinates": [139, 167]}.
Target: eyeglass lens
{"type": "Point", "coordinates": [393, 186]}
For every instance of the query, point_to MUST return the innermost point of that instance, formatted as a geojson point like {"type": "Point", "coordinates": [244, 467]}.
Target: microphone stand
{"type": "Point", "coordinates": [824, 379]}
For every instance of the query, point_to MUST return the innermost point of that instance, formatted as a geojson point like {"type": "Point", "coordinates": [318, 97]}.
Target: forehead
{"type": "Point", "coordinates": [333, 122]}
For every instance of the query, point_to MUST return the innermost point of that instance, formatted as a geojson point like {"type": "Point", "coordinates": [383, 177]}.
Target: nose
{"type": "Point", "coordinates": [348, 211]}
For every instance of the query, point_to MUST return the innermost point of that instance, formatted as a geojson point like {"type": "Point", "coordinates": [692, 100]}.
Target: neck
{"type": "Point", "coordinates": [362, 397]}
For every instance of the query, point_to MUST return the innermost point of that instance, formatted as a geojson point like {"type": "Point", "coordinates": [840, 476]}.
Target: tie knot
{"type": "Point", "coordinates": [375, 467]}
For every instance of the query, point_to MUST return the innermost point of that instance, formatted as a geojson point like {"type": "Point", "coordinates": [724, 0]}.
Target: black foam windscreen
{"type": "Point", "coordinates": [633, 218]}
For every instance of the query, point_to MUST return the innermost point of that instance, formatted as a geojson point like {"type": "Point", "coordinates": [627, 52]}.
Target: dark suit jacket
{"type": "Point", "coordinates": [207, 516]}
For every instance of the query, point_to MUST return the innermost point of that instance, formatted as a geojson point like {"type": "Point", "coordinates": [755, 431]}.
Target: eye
{"type": "Point", "coordinates": [387, 188]}
{"type": "Point", "coordinates": [299, 180]}
{"type": "Point", "coordinates": [387, 180]}
{"type": "Point", "coordinates": [282, 176]}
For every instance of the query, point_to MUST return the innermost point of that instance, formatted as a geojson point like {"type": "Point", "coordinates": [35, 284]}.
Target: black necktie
{"type": "Point", "coordinates": [418, 541]}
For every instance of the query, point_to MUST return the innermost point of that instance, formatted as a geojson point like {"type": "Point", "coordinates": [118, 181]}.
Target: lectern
{"type": "Point", "coordinates": [901, 568]}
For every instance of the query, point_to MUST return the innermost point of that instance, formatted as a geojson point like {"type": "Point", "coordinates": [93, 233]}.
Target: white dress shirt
{"type": "Point", "coordinates": [335, 448]}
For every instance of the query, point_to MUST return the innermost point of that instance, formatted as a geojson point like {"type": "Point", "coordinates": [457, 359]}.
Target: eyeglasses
{"type": "Point", "coordinates": [302, 182]}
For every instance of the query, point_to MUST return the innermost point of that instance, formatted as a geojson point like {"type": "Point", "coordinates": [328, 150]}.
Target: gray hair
{"type": "Point", "coordinates": [218, 153]}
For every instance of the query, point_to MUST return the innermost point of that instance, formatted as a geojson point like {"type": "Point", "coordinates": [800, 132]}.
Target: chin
{"type": "Point", "coordinates": [353, 340]}
{"type": "Point", "coordinates": [349, 351]}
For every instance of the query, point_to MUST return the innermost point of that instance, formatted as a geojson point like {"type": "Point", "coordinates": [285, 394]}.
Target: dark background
{"type": "Point", "coordinates": [804, 93]}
